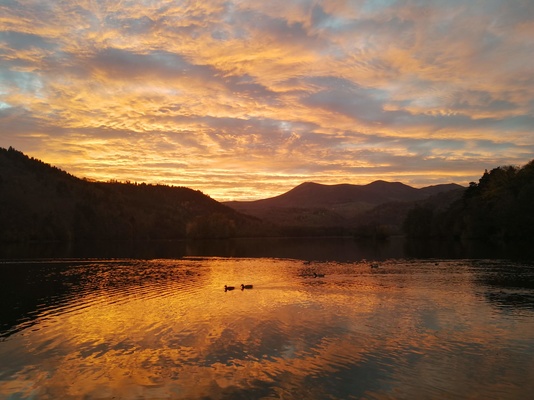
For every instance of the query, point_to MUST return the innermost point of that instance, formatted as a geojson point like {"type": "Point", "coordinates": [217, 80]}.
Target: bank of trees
{"type": "Point", "coordinates": [500, 207]}
{"type": "Point", "coordinates": [39, 202]}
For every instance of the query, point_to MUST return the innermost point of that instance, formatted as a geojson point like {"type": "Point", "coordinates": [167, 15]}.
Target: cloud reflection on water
{"type": "Point", "coordinates": [167, 329]}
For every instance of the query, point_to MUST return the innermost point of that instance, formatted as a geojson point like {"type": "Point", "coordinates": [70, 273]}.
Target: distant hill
{"type": "Point", "coordinates": [39, 202]}
{"type": "Point", "coordinates": [345, 205]}
{"type": "Point", "coordinates": [315, 195]}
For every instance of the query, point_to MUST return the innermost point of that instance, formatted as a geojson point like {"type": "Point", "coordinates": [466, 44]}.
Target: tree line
{"type": "Point", "coordinates": [39, 202]}
{"type": "Point", "coordinates": [500, 207]}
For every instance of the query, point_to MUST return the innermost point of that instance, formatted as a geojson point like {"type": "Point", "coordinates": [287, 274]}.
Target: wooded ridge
{"type": "Point", "coordinates": [39, 202]}
{"type": "Point", "coordinates": [500, 207]}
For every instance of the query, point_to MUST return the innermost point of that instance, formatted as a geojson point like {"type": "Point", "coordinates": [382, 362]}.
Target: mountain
{"type": "Point", "coordinates": [345, 205]}
{"type": "Point", "coordinates": [39, 202]}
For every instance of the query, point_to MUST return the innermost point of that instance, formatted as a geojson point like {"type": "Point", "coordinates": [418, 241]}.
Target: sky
{"type": "Point", "coordinates": [245, 99]}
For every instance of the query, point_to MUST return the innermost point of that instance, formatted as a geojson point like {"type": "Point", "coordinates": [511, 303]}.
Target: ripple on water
{"type": "Point", "coordinates": [167, 329]}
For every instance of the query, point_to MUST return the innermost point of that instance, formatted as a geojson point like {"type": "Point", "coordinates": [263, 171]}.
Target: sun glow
{"type": "Point", "coordinates": [290, 90]}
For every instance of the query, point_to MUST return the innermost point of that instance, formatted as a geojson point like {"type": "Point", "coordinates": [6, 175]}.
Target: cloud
{"type": "Point", "coordinates": [279, 92]}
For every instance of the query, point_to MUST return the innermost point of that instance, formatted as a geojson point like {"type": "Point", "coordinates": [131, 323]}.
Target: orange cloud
{"type": "Point", "coordinates": [189, 79]}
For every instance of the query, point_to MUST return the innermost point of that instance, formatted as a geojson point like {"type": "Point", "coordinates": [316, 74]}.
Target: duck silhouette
{"type": "Point", "coordinates": [316, 275]}
{"type": "Point", "coordinates": [226, 288]}
{"type": "Point", "coordinates": [374, 265]}
{"type": "Point", "coordinates": [243, 287]}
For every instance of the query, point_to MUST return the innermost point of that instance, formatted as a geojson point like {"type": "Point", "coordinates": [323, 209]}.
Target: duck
{"type": "Point", "coordinates": [226, 288]}
{"type": "Point", "coordinates": [374, 265]}
{"type": "Point", "coordinates": [243, 287]}
{"type": "Point", "coordinates": [316, 275]}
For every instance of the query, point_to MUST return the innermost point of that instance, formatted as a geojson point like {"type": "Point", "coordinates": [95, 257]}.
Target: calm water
{"type": "Point", "coordinates": [166, 329]}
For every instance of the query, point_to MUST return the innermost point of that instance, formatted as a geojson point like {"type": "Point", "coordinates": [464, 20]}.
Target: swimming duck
{"type": "Point", "coordinates": [246, 287]}
{"type": "Point", "coordinates": [226, 288]}
{"type": "Point", "coordinates": [316, 275]}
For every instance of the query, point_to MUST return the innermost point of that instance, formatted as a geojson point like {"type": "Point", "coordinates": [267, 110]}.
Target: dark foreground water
{"type": "Point", "coordinates": [166, 329]}
{"type": "Point", "coordinates": [311, 249]}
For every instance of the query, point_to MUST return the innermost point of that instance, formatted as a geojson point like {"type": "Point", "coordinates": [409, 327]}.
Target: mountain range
{"type": "Point", "coordinates": [346, 206]}
{"type": "Point", "coordinates": [315, 195]}
{"type": "Point", "coordinates": [41, 202]}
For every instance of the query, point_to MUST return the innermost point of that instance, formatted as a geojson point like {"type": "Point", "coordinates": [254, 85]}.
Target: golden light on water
{"type": "Point", "coordinates": [167, 329]}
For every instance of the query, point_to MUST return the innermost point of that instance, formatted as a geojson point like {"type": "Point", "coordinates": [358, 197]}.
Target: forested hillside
{"type": "Point", "coordinates": [499, 207]}
{"type": "Point", "coordinates": [388, 218]}
{"type": "Point", "coordinates": [41, 202]}
{"type": "Point", "coordinates": [374, 209]}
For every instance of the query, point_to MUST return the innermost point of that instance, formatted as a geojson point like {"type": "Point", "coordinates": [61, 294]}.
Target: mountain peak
{"type": "Point", "coordinates": [308, 184]}
{"type": "Point", "coordinates": [382, 183]}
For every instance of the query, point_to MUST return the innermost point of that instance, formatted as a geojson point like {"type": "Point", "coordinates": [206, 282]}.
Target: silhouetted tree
{"type": "Point", "coordinates": [498, 207]}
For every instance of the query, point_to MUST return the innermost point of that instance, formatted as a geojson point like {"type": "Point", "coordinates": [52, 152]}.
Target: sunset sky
{"type": "Point", "coordinates": [247, 99]}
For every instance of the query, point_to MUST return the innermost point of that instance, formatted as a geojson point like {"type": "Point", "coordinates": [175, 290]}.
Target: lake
{"type": "Point", "coordinates": [383, 327]}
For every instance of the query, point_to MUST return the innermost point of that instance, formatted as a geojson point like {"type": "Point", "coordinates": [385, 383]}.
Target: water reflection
{"type": "Point", "coordinates": [506, 285]}
{"type": "Point", "coordinates": [167, 329]}
{"type": "Point", "coordinates": [171, 249]}
{"type": "Point", "coordinates": [311, 249]}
